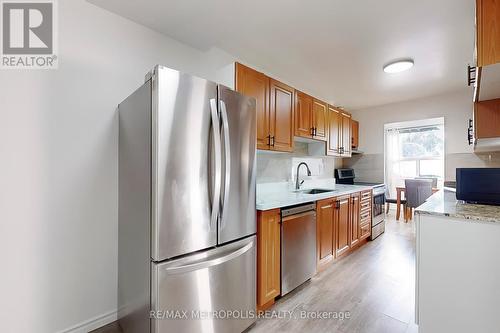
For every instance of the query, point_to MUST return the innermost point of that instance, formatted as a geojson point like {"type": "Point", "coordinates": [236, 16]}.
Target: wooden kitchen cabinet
{"type": "Point", "coordinates": [325, 237]}
{"type": "Point", "coordinates": [487, 32]}
{"type": "Point", "coordinates": [251, 83]}
{"type": "Point", "coordinates": [354, 134]}
{"type": "Point", "coordinates": [365, 214]}
{"type": "Point", "coordinates": [354, 219]}
{"type": "Point", "coordinates": [268, 257]}
{"type": "Point", "coordinates": [311, 117]}
{"type": "Point", "coordinates": [487, 119]}
{"type": "Point", "coordinates": [341, 226]}
{"type": "Point", "coordinates": [339, 133]}
{"type": "Point", "coordinates": [281, 127]}
{"type": "Point", "coordinates": [303, 115]}
{"type": "Point", "coordinates": [319, 120]}
{"type": "Point", "coordinates": [274, 108]}
{"type": "Point", "coordinates": [333, 143]}
{"type": "Point", "coordinates": [345, 144]}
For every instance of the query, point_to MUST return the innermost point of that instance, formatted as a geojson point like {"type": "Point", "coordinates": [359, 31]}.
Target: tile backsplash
{"type": "Point", "coordinates": [281, 167]}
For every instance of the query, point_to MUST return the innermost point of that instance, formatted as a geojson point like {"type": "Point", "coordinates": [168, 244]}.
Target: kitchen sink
{"type": "Point", "coordinates": [316, 191]}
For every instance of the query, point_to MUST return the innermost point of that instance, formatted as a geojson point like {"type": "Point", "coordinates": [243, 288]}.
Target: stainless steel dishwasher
{"type": "Point", "coordinates": [298, 245]}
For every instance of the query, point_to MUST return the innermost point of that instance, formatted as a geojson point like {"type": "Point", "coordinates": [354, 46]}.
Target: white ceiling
{"type": "Point", "coordinates": [334, 49]}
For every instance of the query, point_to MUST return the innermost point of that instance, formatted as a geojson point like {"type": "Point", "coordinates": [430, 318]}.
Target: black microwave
{"type": "Point", "coordinates": [479, 185]}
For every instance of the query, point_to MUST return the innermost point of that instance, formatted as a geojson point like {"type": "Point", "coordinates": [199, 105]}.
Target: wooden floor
{"type": "Point", "coordinates": [375, 285]}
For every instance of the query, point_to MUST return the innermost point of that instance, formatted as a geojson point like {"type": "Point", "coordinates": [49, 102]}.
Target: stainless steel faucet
{"type": "Point", "coordinates": [297, 184]}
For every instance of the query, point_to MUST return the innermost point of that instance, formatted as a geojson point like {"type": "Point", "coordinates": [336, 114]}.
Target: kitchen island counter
{"type": "Point", "coordinates": [445, 203]}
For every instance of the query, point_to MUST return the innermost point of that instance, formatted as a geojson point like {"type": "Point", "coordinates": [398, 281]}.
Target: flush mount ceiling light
{"type": "Point", "coordinates": [398, 66]}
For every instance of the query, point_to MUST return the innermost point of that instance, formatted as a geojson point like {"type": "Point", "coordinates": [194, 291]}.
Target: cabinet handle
{"type": "Point", "coordinates": [312, 131]}
{"type": "Point", "coordinates": [471, 79]}
{"type": "Point", "coordinates": [269, 140]}
{"type": "Point", "coordinates": [470, 136]}
{"type": "Point", "coordinates": [272, 142]}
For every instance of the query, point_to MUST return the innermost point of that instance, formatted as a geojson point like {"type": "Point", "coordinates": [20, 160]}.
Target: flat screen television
{"type": "Point", "coordinates": [479, 185]}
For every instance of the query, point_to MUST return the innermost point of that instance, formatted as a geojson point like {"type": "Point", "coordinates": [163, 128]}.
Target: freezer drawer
{"type": "Point", "coordinates": [222, 280]}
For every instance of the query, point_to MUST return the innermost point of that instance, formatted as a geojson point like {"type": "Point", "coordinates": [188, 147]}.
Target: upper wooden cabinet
{"type": "Point", "coordinates": [303, 115]}
{"type": "Point", "coordinates": [311, 117]}
{"type": "Point", "coordinates": [281, 116]}
{"type": "Point", "coordinates": [354, 134]}
{"type": "Point", "coordinates": [319, 120]}
{"type": "Point", "coordinates": [346, 144]}
{"type": "Point", "coordinates": [274, 107]}
{"type": "Point", "coordinates": [487, 32]}
{"type": "Point", "coordinates": [268, 257]}
{"type": "Point", "coordinates": [333, 142]}
{"type": "Point", "coordinates": [254, 84]}
{"type": "Point", "coordinates": [487, 119]}
{"type": "Point", "coordinates": [339, 133]}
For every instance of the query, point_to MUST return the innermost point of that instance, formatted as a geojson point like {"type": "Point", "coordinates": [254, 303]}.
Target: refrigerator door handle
{"type": "Point", "coordinates": [227, 156]}
{"type": "Point", "coordinates": [218, 163]}
{"type": "Point", "coordinates": [202, 264]}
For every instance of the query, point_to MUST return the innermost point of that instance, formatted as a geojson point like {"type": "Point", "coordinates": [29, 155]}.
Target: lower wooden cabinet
{"type": "Point", "coordinates": [268, 257]}
{"type": "Point", "coordinates": [365, 214]}
{"type": "Point", "coordinates": [343, 223]}
{"type": "Point", "coordinates": [342, 243]}
{"type": "Point", "coordinates": [325, 210]}
{"type": "Point", "coordinates": [354, 219]}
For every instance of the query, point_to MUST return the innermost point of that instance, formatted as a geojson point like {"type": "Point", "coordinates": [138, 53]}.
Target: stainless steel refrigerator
{"type": "Point", "coordinates": [187, 219]}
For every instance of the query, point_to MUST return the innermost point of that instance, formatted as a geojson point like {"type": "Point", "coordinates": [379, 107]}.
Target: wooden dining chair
{"type": "Point", "coordinates": [389, 200]}
{"type": "Point", "coordinates": [416, 192]}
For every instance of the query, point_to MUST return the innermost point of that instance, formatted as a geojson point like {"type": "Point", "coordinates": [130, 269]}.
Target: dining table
{"type": "Point", "coordinates": [399, 193]}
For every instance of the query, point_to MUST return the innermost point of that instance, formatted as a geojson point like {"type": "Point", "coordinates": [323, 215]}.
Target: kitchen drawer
{"type": "Point", "coordinates": [366, 195]}
{"type": "Point", "coordinates": [365, 209]}
{"type": "Point", "coordinates": [364, 231]}
{"type": "Point", "coordinates": [365, 216]}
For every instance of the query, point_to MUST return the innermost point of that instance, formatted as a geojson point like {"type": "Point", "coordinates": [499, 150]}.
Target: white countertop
{"type": "Point", "coordinates": [278, 195]}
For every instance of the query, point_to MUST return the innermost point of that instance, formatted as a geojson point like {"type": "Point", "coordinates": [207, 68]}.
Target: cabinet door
{"type": "Point", "coordinates": [268, 256]}
{"type": "Point", "coordinates": [254, 84]}
{"type": "Point", "coordinates": [487, 119]}
{"type": "Point", "coordinates": [303, 115]}
{"type": "Point", "coordinates": [319, 114]}
{"type": "Point", "coordinates": [346, 133]}
{"type": "Point", "coordinates": [342, 225]}
{"type": "Point", "coordinates": [354, 217]}
{"type": "Point", "coordinates": [324, 224]}
{"type": "Point", "coordinates": [488, 32]}
{"type": "Point", "coordinates": [332, 145]}
{"type": "Point", "coordinates": [354, 134]}
{"type": "Point", "coordinates": [281, 116]}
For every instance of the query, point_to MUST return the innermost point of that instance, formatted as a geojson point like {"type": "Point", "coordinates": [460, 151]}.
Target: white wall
{"type": "Point", "coordinates": [58, 168]}
{"type": "Point", "coordinates": [455, 107]}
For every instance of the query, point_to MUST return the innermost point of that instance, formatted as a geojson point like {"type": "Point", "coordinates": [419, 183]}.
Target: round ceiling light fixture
{"type": "Point", "coordinates": [398, 66]}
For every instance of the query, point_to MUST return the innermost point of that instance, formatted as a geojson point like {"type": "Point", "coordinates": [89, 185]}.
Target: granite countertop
{"type": "Point", "coordinates": [278, 195]}
{"type": "Point", "coordinates": [445, 203]}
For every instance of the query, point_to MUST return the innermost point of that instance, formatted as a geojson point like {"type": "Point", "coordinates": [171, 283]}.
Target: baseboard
{"type": "Point", "coordinates": [92, 324]}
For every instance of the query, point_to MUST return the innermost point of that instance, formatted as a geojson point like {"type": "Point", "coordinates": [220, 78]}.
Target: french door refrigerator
{"type": "Point", "coordinates": [187, 218]}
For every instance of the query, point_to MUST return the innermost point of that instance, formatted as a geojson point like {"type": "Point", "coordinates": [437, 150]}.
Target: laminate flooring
{"type": "Point", "coordinates": [374, 286]}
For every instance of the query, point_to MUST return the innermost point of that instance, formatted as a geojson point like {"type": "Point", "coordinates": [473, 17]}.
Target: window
{"type": "Point", "coordinates": [413, 149]}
